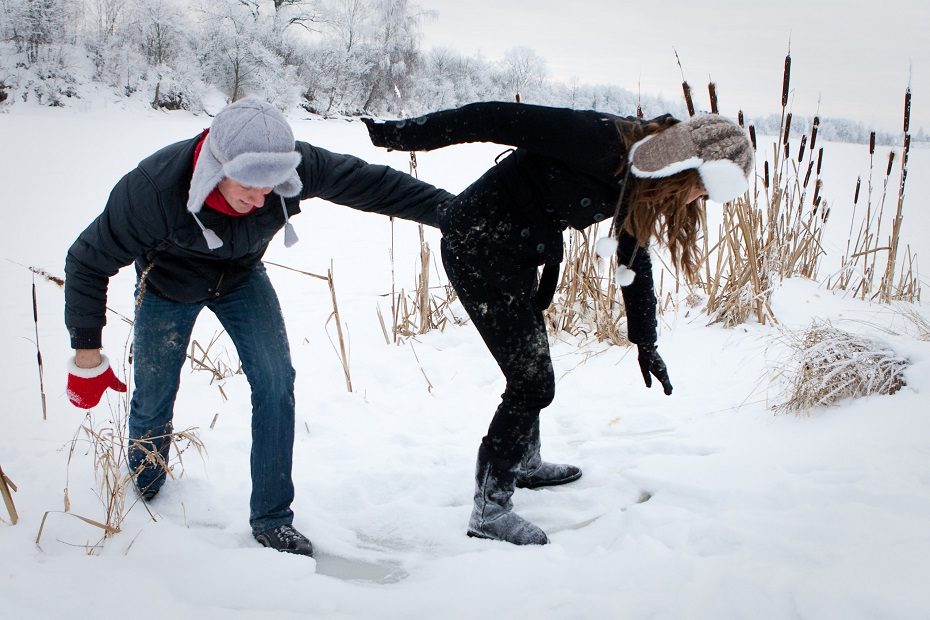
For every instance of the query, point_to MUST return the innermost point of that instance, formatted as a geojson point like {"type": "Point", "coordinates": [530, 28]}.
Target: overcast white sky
{"type": "Point", "coordinates": [855, 58]}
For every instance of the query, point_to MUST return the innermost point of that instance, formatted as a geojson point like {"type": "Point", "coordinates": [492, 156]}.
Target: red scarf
{"type": "Point", "coordinates": [215, 200]}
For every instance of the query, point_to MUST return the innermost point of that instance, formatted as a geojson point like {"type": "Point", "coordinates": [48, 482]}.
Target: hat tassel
{"type": "Point", "coordinates": [290, 235]}
{"type": "Point", "coordinates": [213, 240]}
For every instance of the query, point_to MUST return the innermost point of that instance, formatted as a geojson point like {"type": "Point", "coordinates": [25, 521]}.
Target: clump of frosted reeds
{"type": "Point", "coordinates": [586, 302]}
{"type": "Point", "coordinates": [828, 365]}
{"type": "Point", "coordinates": [771, 232]}
{"type": "Point", "coordinates": [870, 267]}
{"type": "Point", "coordinates": [425, 308]}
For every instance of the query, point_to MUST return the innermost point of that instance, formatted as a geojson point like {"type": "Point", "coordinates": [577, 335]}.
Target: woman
{"type": "Point", "coordinates": [567, 168]}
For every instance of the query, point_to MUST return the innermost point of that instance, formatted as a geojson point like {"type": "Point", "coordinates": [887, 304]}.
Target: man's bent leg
{"type": "Point", "coordinates": [162, 331]}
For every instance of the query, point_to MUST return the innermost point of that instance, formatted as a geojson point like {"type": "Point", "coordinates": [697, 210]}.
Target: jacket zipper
{"type": "Point", "coordinates": [216, 289]}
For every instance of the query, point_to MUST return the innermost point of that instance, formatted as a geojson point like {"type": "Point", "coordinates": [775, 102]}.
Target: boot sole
{"type": "Point", "coordinates": [527, 484]}
{"type": "Point", "coordinates": [474, 534]}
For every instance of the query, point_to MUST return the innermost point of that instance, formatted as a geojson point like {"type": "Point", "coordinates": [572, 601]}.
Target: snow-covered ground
{"type": "Point", "coordinates": [750, 515]}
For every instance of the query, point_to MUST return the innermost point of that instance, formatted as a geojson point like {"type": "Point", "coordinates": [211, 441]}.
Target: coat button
{"type": "Point", "coordinates": [586, 202]}
{"type": "Point", "coordinates": [525, 233]}
{"type": "Point", "coordinates": [599, 217]}
{"type": "Point", "coordinates": [541, 248]}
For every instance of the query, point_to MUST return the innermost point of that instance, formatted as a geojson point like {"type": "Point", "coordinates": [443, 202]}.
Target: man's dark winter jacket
{"type": "Point", "coordinates": [146, 221]}
{"type": "Point", "coordinates": [567, 170]}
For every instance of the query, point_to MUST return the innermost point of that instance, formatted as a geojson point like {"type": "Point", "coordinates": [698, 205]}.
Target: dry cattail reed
{"type": "Point", "coordinates": [786, 81]}
{"type": "Point", "coordinates": [342, 351]}
{"type": "Point", "coordinates": [688, 100]}
{"type": "Point", "coordinates": [35, 318]}
{"type": "Point", "coordinates": [7, 488]}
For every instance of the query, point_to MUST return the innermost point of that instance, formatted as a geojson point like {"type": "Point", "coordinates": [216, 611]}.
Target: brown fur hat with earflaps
{"type": "Point", "coordinates": [715, 146]}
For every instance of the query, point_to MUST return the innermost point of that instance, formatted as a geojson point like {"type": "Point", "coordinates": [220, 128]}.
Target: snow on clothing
{"type": "Point", "coordinates": [563, 172]}
{"type": "Point", "coordinates": [146, 221]}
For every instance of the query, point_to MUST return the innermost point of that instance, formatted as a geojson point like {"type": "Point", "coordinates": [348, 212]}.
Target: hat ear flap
{"type": "Point", "coordinates": [290, 187]}
{"type": "Point", "coordinates": [208, 172]}
{"type": "Point", "coordinates": [665, 153]}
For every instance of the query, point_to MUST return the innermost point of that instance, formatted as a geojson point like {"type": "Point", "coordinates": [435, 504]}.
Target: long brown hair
{"type": "Point", "coordinates": [657, 207]}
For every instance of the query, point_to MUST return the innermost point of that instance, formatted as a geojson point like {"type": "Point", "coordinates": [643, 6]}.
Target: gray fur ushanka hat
{"type": "Point", "coordinates": [252, 143]}
{"type": "Point", "coordinates": [715, 146]}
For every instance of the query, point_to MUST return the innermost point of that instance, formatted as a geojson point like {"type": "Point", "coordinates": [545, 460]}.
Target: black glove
{"type": "Point", "coordinates": [650, 362]}
{"type": "Point", "coordinates": [377, 131]}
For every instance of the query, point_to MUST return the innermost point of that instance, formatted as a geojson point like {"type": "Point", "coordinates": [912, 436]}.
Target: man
{"type": "Point", "coordinates": [250, 175]}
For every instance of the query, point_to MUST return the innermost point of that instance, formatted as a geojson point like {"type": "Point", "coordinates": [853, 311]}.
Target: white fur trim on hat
{"type": "Point", "coordinates": [89, 373]}
{"type": "Point", "coordinates": [723, 180]}
{"type": "Point", "coordinates": [265, 170]}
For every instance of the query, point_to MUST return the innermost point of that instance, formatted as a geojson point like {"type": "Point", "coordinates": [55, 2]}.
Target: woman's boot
{"type": "Point", "coordinates": [533, 472]}
{"type": "Point", "coordinates": [493, 515]}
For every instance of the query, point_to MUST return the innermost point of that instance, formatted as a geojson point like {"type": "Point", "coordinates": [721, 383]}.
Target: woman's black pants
{"type": "Point", "coordinates": [499, 300]}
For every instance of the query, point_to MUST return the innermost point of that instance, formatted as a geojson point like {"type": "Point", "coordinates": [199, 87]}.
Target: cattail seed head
{"type": "Point", "coordinates": [752, 136]}
{"type": "Point", "coordinates": [786, 81]}
{"type": "Point", "coordinates": [890, 163]}
{"type": "Point", "coordinates": [872, 143]}
{"type": "Point", "coordinates": [907, 109]}
{"type": "Point", "coordinates": [819, 160]}
{"type": "Point", "coordinates": [712, 89]}
{"type": "Point", "coordinates": [856, 193]}
{"type": "Point", "coordinates": [690, 103]}
{"type": "Point", "coordinates": [807, 177]}
{"type": "Point", "coordinates": [787, 129]}
{"type": "Point", "coordinates": [765, 178]}
{"type": "Point", "coordinates": [739, 119]}
{"type": "Point", "coordinates": [801, 150]}
{"type": "Point", "coordinates": [814, 132]}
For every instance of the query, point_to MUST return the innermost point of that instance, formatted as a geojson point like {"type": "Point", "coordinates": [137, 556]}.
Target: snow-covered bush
{"type": "Point", "coordinates": [829, 364]}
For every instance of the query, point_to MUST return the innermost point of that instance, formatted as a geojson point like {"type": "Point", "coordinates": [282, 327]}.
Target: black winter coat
{"type": "Point", "coordinates": [567, 170]}
{"type": "Point", "coordinates": [146, 221]}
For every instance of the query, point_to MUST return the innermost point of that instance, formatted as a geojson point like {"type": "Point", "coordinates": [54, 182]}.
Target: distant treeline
{"type": "Point", "coordinates": [330, 57]}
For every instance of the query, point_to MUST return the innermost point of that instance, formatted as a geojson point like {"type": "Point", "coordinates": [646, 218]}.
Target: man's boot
{"type": "Point", "coordinates": [492, 516]}
{"type": "Point", "coordinates": [148, 463]}
{"type": "Point", "coordinates": [533, 472]}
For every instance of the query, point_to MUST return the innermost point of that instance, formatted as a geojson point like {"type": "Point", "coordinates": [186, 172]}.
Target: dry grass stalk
{"type": "Point", "coordinates": [829, 365]}
{"type": "Point", "coordinates": [107, 530]}
{"type": "Point", "coordinates": [7, 488]}
{"type": "Point", "coordinates": [35, 318]}
{"type": "Point", "coordinates": [412, 317]}
{"type": "Point", "coordinates": [342, 351]}
{"type": "Point", "coordinates": [201, 360]}
{"type": "Point", "coordinates": [918, 320]}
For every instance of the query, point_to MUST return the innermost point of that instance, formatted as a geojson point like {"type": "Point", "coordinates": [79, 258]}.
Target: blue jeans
{"type": "Point", "coordinates": [251, 315]}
